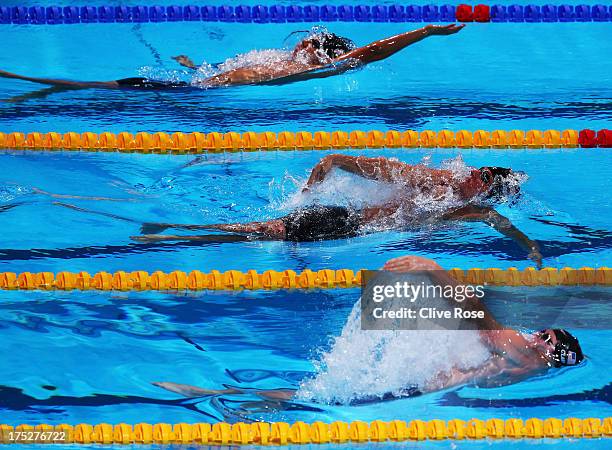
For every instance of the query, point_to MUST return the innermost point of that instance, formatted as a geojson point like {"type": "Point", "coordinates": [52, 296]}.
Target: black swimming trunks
{"type": "Point", "coordinates": [409, 392]}
{"type": "Point", "coordinates": [321, 222]}
{"type": "Point", "coordinates": [145, 83]}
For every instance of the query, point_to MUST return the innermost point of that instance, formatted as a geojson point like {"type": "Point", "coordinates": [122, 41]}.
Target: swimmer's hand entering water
{"type": "Point", "coordinates": [486, 214]}
{"type": "Point", "coordinates": [536, 257]}
{"type": "Point", "coordinates": [185, 61]}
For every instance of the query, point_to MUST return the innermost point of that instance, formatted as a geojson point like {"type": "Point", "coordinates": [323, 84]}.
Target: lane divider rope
{"type": "Point", "coordinates": [283, 433]}
{"type": "Point", "coordinates": [288, 279]}
{"type": "Point", "coordinates": [197, 142]}
{"type": "Point", "coordinates": [38, 15]}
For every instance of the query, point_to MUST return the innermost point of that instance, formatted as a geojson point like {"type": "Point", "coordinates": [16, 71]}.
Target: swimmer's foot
{"type": "Point", "coordinates": [158, 227]}
{"type": "Point", "coordinates": [187, 390]}
{"type": "Point", "coordinates": [153, 228]}
{"type": "Point", "coordinates": [158, 237]}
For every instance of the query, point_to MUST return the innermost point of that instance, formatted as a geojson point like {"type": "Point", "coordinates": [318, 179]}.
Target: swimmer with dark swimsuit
{"type": "Point", "coordinates": [487, 184]}
{"type": "Point", "coordinates": [319, 55]}
{"type": "Point", "coordinates": [514, 356]}
{"type": "Point", "coordinates": [315, 223]}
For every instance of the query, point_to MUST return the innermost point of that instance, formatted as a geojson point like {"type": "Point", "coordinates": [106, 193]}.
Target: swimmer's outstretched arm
{"type": "Point", "coordinates": [511, 348]}
{"type": "Point", "coordinates": [473, 213]}
{"type": "Point", "coordinates": [495, 372]}
{"type": "Point", "coordinates": [65, 83]}
{"type": "Point", "coordinates": [380, 169]}
{"type": "Point", "coordinates": [386, 47]}
{"type": "Point", "coordinates": [405, 264]}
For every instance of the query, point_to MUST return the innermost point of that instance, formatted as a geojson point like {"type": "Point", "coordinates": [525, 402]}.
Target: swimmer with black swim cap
{"type": "Point", "coordinates": [319, 55]}
{"type": "Point", "coordinates": [326, 44]}
{"type": "Point", "coordinates": [501, 182]}
{"type": "Point", "coordinates": [514, 356]}
{"type": "Point", "coordinates": [321, 222]}
{"type": "Point", "coordinates": [561, 347]}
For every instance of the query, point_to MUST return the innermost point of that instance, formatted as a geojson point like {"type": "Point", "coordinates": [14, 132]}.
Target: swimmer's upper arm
{"type": "Point", "coordinates": [380, 169]}
{"type": "Point", "coordinates": [512, 345]}
{"type": "Point", "coordinates": [504, 377]}
{"type": "Point", "coordinates": [364, 55]}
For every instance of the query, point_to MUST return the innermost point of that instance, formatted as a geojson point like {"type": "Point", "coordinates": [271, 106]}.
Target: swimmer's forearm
{"type": "Point", "coordinates": [505, 227]}
{"type": "Point", "coordinates": [502, 225]}
{"type": "Point", "coordinates": [325, 166]}
{"type": "Point", "coordinates": [524, 241]}
{"type": "Point", "coordinates": [386, 47]}
{"type": "Point", "coordinates": [380, 169]}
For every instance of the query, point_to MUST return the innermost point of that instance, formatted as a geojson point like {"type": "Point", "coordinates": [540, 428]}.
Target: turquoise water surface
{"type": "Point", "coordinates": [91, 357]}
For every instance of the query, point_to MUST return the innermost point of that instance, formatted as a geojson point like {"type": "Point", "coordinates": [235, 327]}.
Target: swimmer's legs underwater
{"type": "Point", "coordinates": [312, 223]}
{"type": "Point", "coordinates": [64, 83]}
{"type": "Point", "coordinates": [124, 83]}
{"type": "Point", "coordinates": [187, 390]}
{"type": "Point", "coordinates": [279, 395]}
{"type": "Point", "coordinates": [218, 238]}
{"type": "Point", "coordinates": [271, 229]}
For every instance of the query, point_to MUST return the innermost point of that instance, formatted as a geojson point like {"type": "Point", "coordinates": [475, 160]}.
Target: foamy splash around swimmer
{"type": "Point", "coordinates": [417, 205]}
{"type": "Point", "coordinates": [362, 364]}
{"type": "Point", "coordinates": [255, 58]}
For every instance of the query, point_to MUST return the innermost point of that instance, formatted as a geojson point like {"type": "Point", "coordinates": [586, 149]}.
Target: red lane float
{"type": "Point", "coordinates": [587, 138]}
{"type": "Point", "coordinates": [604, 138]}
{"type": "Point", "coordinates": [464, 13]}
{"type": "Point", "coordinates": [482, 13]}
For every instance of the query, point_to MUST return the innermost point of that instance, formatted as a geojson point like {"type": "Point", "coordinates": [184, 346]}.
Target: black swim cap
{"type": "Point", "coordinates": [567, 350]}
{"type": "Point", "coordinates": [501, 182]}
{"type": "Point", "coordinates": [332, 44]}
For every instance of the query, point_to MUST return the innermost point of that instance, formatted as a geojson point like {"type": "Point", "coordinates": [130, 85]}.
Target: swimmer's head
{"type": "Point", "coordinates": [324, 44]}
{"type": "Point", "coordinates": [500, 183]}
{"type": "Point", "coordinates": [561, 347]}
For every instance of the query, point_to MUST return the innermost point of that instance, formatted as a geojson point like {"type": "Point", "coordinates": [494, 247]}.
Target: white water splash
{"type": "Point", "coordinates": [339, 189]}
{"type": "Point", "coordinates": [267, 58]}
{"type": "Point", "coordinates": [12, 191]}
{"type": "Point", "coordinates": [363, 364]}
{"type": "Point", "coordinates": [417, 205]}
{"type": "Point", "coordinates": [157, 73]}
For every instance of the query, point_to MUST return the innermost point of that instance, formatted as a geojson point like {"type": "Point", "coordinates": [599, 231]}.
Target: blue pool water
{"type": "Point", "coordinates": [91, 357]}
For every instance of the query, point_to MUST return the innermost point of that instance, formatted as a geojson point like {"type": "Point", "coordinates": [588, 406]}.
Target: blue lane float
{"type": "Point", "coordinates": [54, 15]}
